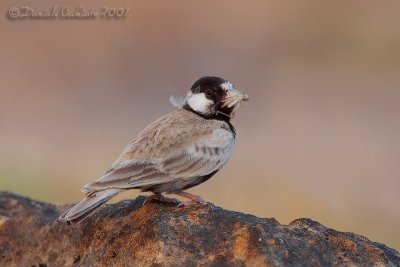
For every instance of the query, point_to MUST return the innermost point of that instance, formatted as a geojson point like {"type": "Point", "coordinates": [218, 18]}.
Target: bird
{"type": "Point", "coordinates": [177, 151]}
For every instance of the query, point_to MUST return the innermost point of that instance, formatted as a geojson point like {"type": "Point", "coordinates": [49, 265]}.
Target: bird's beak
{"type": "Point", "coordinates": [233, 98]}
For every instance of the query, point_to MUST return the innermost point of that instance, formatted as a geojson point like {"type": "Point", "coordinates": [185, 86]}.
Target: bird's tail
{"type": "Point", "coordinates": [85, 207]}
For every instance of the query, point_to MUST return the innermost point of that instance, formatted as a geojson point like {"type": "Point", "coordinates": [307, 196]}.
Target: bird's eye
{"type": "Point", "coordinates": [209, 92]}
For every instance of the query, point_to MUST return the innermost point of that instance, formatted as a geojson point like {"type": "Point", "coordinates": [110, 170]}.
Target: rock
{"type": "Point", "coordinates": [129, 234]}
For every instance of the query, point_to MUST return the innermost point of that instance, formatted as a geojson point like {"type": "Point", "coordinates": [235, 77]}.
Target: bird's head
{"type": "Point", "coordinates": [214, 98]}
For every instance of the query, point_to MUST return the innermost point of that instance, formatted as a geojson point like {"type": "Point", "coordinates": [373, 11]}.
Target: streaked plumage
{"type": "Point", "coordinates": [175, 152]}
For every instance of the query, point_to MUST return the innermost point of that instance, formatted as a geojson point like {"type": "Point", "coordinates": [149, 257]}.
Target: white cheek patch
{"type": "Point", "coordinates": [199, 103]}
{"type": "Point", "coordinates": [227, 86]}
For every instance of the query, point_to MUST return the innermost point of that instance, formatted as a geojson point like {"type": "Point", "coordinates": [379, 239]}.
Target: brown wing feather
{"type": "Point", "coordinates": [175, 146]}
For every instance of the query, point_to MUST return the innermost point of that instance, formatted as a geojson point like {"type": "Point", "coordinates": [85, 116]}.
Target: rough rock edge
{"type": "Point", "coordinates": [127, 234]}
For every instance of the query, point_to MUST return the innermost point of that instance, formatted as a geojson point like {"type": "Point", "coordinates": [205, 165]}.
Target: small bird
{"type": "Point", "coordinates": [179, 150]}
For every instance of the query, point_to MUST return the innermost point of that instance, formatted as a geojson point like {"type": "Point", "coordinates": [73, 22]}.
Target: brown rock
{"type": "Point", "coordinates": [128, 234]}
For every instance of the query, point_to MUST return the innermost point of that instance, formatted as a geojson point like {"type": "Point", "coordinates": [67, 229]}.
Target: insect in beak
{"type": "Point", "coordinates": [233, 98]}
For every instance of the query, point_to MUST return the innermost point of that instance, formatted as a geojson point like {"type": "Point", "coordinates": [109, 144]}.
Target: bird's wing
{"type": "Point", "coordinates": [180, 145]}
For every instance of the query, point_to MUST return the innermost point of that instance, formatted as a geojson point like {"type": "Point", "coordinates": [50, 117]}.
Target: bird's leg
{"type": "Point", "coordinates": [161, 198]}
{"type": "Point", "coordinates": [193, 198]}
{"type": "Point", "coordinates": [165, 199]}
{"type": "Point", "coordinates": [149, 199]}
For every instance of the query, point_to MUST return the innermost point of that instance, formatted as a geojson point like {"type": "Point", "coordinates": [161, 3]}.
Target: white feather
{"type": "Point", "coordinates": [177, 102]}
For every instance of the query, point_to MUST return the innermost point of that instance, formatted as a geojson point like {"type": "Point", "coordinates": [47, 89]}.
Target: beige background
{"type": "Point", "coordinates": [320, 137]}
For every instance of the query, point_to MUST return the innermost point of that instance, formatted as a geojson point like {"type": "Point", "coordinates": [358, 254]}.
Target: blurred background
{"type": "Point", "coordinates": [320, 137]}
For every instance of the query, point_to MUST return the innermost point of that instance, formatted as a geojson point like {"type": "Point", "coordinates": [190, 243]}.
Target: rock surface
{"type": "Point", "coordinates": [129, 234]}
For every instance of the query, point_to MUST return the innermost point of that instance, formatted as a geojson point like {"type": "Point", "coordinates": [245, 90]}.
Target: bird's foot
{"type": "Point", "coordinates": [193, 199]}
{"type": "Point", "coordinates": [159, 197]}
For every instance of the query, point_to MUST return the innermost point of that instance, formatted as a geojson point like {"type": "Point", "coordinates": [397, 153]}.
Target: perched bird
{"type": "Point", "coordinates": [178, 151]}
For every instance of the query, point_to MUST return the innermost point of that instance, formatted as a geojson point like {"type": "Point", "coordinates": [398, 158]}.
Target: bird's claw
{"type": "Point", "coordinates": [192, 202]}
{"type": "Point", "coordinates": [161, 198]}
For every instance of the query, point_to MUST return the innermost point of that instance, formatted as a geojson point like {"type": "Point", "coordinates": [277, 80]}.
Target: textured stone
{"type": "Point", "coordinates": [129, 234]}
